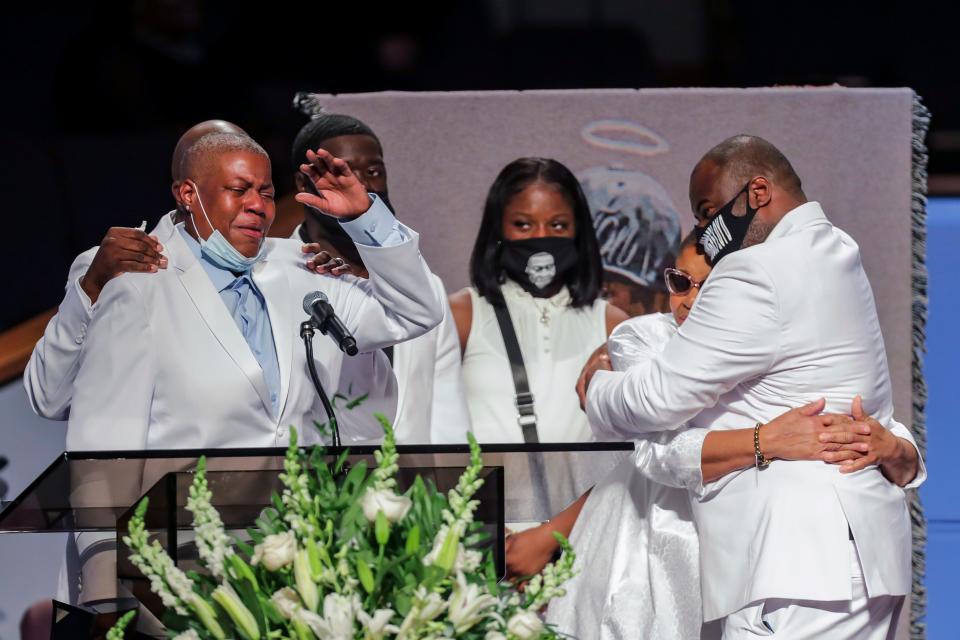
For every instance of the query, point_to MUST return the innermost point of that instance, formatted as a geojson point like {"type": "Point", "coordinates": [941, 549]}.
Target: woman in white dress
{"type": "Point", "coordinates": [637, 548]}
{"type": "Point", "coordinates": [537, 256]}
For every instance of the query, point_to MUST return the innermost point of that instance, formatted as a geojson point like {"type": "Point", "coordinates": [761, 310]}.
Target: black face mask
{"type": "Point", "coordinates": [539, 265]}
{"type": "Point", "coordinates": [726, 232]}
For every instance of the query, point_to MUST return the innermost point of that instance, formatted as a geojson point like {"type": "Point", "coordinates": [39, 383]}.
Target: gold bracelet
{"type": "Point", "coordinates": [761, 461]}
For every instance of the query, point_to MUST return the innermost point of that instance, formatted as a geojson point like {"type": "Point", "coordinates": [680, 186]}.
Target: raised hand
{"type": "Point", "coordinates": [122, 250]}
{"type": "Point", "coordinates": [338, 192]}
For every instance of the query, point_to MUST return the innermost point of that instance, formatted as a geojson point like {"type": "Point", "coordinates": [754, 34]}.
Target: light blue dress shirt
{"type": "Point", "coordinates": [377, 227]}
{"type": "Point", "coordinates": [247, 307]}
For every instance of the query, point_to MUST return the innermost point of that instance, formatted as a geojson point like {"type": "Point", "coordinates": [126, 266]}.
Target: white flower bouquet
{"type": "Point", "coordinates": [344, 557]}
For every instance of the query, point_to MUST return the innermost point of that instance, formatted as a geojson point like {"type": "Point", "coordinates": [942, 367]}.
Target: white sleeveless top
{"type": "Point", "coordinates": [555, 340]}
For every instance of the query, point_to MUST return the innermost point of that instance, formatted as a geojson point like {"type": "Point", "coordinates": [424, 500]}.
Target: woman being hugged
{"type": "Point", "coordinates": [536, 274]}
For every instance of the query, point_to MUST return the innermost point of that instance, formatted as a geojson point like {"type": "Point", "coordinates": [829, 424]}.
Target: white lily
{"type": "Point", "coordinates": [468, 604]}
{"type": "Point", "coordinates": [287, 602]}
{"type": "Point", "coordinates": [377, 626]}
{"type": "Point", "coordinates": [338, 619]}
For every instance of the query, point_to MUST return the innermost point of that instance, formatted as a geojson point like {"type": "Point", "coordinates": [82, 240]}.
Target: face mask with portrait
{"type": "Point", "coordinates": [726, 231]}
{"type": "Point", "coordinates": [218, 250]}
{"type": "Point", "coordinates": [538, 264]}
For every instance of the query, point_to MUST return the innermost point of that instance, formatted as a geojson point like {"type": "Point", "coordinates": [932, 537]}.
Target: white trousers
{"type": "Point", "coordinates": [861, 618]}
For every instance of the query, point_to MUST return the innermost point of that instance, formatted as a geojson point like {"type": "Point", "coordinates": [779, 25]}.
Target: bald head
{"type": "Point", "coordinates": [743, 157]}
{"type": "Point", "coordinates": [192, 135]}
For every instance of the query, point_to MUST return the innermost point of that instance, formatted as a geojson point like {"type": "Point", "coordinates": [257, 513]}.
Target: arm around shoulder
{"type": "Point", "coordinates": [732, 334]}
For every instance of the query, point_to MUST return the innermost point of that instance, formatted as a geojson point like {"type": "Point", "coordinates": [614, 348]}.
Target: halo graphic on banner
{"type": "Point", "coordinates": [646, 143]}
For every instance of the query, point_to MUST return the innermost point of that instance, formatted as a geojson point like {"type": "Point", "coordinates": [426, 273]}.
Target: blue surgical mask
{"type": "Point", "coordinates": [218, 250]}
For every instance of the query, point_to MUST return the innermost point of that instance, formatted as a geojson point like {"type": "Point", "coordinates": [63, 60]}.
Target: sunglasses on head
{"type": "Point", "coordinates": [679, 283]}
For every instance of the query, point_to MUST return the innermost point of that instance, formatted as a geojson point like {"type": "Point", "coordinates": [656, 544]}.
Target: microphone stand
{"type": "Point", "coordinates": [307, 330]}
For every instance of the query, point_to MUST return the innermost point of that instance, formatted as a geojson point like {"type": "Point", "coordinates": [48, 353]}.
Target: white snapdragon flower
{"type": "Point", "coordinates": [526, 625]}
{"type": "Point", "coordinates": [395, 507]}
{"type": "Point", "coordinates": [276, 551]}
{"type": "Point", "coordinates": [286, 601]}
{"type": "Point", "coordinates": [468, 604]}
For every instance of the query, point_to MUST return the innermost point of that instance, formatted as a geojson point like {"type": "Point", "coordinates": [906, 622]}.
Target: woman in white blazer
{"type": "Point", "coordinates": [49, 374]}
{"type": "Point", "coordinates": [164, 364]}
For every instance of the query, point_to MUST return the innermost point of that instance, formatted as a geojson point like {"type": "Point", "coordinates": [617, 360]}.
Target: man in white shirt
{"type": "Point", "coordinates": [798, 550]}
{"type": "Point", "coordinates": [420, 376]}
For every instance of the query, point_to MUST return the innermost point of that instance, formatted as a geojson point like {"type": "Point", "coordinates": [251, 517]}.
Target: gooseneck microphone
{"type": "Point", "coordinates": [317, 306]}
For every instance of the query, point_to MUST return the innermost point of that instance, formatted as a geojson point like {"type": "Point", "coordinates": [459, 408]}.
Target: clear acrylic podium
{"type": "Point", "coordinates": [96, 491]}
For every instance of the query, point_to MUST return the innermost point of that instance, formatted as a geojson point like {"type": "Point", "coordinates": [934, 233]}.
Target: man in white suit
{"type": "Point", "coordinates": [421, 375]}
{"type": "Point", "coordinates": [795, 550]}
{"type": "Point", "coordinates": [204, 353]}
{"type": "Point", "coordinates": [48, 377]}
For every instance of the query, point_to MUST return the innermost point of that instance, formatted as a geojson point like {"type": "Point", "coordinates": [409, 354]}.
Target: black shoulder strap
{"type": "Point", "coordinates": [525, 414]}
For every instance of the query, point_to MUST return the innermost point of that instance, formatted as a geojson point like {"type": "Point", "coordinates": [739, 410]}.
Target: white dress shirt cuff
{"type": "Point", "coordinates": [377, 227]}
{"type": "Point", "coordinates": [901, 431]}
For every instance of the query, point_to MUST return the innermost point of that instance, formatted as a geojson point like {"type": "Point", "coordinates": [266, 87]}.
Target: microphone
{"type": "Point", "coordinates": [317, 306]}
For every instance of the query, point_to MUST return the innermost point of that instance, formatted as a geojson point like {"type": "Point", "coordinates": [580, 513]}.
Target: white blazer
{"type": "Point", "coordinates": [164, 365]}
{"type": "Point", "coordinates": [777, 325]}
{"type": "Point", "coordinates": [49, 374]}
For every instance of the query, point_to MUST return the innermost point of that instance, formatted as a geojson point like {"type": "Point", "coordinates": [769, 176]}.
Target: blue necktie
{"type": "Point", "coordinates": [249, 312]}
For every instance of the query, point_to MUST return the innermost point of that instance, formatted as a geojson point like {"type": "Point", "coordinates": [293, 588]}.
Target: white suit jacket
{"type": "Point", "coordinates": [777, 325]}
{"type": "Point", "coordinates": [50, 372]}
{"type": "Point", "coordinates": [165, 366]}
{"type": "Point", "coordinates": [423, 387]}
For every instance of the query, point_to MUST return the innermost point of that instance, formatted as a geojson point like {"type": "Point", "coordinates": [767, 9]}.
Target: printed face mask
{"type": "Point", "coordinates": [725, 232]}
{"type": "Point", "coordinates": [539, 264]}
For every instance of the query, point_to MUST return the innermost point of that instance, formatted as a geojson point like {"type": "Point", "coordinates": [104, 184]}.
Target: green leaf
{"type": "Point", "coordinates": [412, 544]}
{"type": "Point", "coordinates": [244, 548]}
{"type": "Point", "coordinates": [340, 460]}
{"type": "Point", "coordinates": [365, 575]}
{"type": "Point", "coordinates": [356, 477]}
{"type": "Point", "coordinates": [382, 529]}
{"type": "Point", "coordinates": [475, 539]}
{"type": "Point", "coordinates": [403, 603]}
